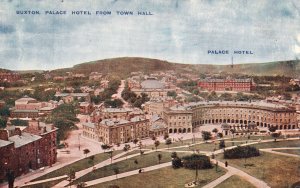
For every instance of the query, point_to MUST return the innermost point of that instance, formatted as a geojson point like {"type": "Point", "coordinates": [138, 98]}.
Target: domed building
{"type": "Point", "coordinates": [153, 88]}
{"type": "Point", "coordinates": [152, 83]}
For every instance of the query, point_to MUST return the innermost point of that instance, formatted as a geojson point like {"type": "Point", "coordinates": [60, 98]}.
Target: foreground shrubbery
{"type": "Point", "coordinates": [241, 152]}
{"type": "Point", "coordinates": [196, 161]}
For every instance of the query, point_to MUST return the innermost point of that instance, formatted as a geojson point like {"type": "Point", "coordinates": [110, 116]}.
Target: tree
{"type": "Point", "coordinates": [86, 151]}
{"type": "Point", "coordinates": [197, 162]}
{"type": "Point", "coordinates": [273, 132]}
{"type": "Point", "coordinates": [81, 184]}
{"type": "Point", "coordinates": [174, 154]}
{"type": "Point", "coordinates": [135, 141]}
{"type": "Point", "coordinates": [19, 122]}
{"type": "Point", "coordinates": [172, 94]}
{"type": "Point", "coordinates": [126, 147]}
{"type": "Point", "coordinates": [168, 142]}
{"type": "Point", "coordinates": [156, 144]}
{"type": "Point", "coordinates": [220, 135]}
{"type": "Point", "coordinates": [232, 132]}
{"type": "Point", "coordinates": [105, 146]}
{"type": "Point", "coordinates": [116, 171]}
{"type": "Point", "coordinates": [176, 162]}
{"type": "Point", "coordinates": [166, 135]}
{"type": "Point", "coordinates": [136, 161]}
{"type": "Point", "coordinates": [222, 144]}
{"type": "Point", "coordinates": [92, 159]}
{"type": "Point", "coordinates": [159, 156]}
{"type": "Point", "coordinates": [71, 175]}
{"type": "Point", "coordinates": [206, 135]}
{"type": "Point", "coordinates": [2, 122]}
{"type": "Point", "coordinates": [215, 130]}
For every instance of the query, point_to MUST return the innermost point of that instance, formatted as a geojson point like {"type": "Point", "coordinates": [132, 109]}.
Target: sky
{"type": "Point", "coordinates": [180, 31]}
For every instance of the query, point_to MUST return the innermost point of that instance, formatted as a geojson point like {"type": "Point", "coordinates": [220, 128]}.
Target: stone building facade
{"type": "Point", "coordinates": [226, 84]}
{"type": "Point", "coordinates": [32, 148]}
{"type": "Point", "coordinates": [113, 131]}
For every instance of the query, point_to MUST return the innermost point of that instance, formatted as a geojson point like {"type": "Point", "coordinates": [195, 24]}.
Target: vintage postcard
{"type": "Point", "coordinates": [150, 93]}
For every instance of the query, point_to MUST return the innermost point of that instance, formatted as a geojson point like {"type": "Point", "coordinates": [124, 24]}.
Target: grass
{"type": "Point", "coordinates": [174, 144]}
{"type": "Point", "coordinates": [278, 144]}
{"type": "Point", "coordinates": [235, 182]}
{"type": "Point", "coordinates": [201, 147]}
{"type": "Point", "coordinates": [277, 170]}
{"type": "Point", "coordinates": [165, 178]}
{"type": "Point", "coordinates": [46, 184]}
{"type": "Point", "coordinates": [130, 153]}
{"type": "Point", "coordinates": [77, 166]}
{"type": "Point", "coordinates": [145, 160]}
{"type": "Point", "coordinates": [289, 151]}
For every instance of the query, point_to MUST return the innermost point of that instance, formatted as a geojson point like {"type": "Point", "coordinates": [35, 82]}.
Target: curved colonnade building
{"type": "Point", "coordinates": [238, 115]}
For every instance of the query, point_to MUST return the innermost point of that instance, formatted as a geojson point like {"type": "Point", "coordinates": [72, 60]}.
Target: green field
{"type": "Point", "coordinates": [164, 178]}
{"type": "Point", "coordinates": [289, 151]}
{"type": "Point", "coordinates": [174, 143]}
{"type": "Point", "coordinates": [278, 144]}
{"type": "Point", "coordinates": [235, 182]}
{"type": "Point", "coordinates": [145, 160]}
{"type": "Point", "coordinates": [77, 166]}
{"type": "Point", "coordinates": [277, 170]}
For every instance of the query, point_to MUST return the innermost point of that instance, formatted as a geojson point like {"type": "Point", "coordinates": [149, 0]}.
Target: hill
{"type": "Point", "coordinates": [124, 65]}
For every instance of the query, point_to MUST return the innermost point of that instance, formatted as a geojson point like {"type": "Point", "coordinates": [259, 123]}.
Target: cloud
{"type": "Point", "coordinates": [179, 31]}
{"type": "Point", "coordinates": [6, 29]}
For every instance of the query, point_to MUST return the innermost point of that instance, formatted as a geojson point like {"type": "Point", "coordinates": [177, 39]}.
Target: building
{"type": "Point", "coordinates": [88, 130]}
{"type": "Point", "coordinates": [95, 76]}
{"type": "Point", "coordinates": [86, 108]}
{"type": "Point", "coordinates": [226, 84]}
{"type": "Point", "coordinates": [238, 115]}
{"type": "Point", "coordinates": [178, 119]}
{"type": "Point", "coordinates": [2, 103]}
{"type": "Point", "coordinates": [70, 97]}
{"type": "Point", "coordinates": [156, 106]}
{"type": "Point", "coordinates": [153, 88]}
{"type": "Point", "coordinates": [9, 77]}
{"type": "Point", "coordinates": [158, 126]}
{"type": "Point", "coordinates": [32, 148]}
{"type": "Point", "coordinates": [27, 107]}
{"type": "Point", "coordinates": [114, 131]}
{"type": "Point", "coordinates": [119, 113]}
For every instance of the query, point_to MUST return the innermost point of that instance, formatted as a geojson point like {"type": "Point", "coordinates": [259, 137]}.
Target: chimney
{"type": "Point", "coordinates": [3, 135]}
{"type": "Point", "coordinates": [18, 131]}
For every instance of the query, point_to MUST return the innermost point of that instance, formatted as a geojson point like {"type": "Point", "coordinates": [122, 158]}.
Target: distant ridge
{"type": "Point", "coordinates": [124, 65]}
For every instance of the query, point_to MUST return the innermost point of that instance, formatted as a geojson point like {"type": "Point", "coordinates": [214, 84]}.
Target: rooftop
{"type": "Point", "coordinates": [24, 139]}
{"type": "Point", "coordinates": [152, 84]}
{"type": "Point", "coordinates": [89, 124]}
{"type": "Point", "coordinates": [112, 122]}
{"type": "Point", "coordinates": [4, 143]}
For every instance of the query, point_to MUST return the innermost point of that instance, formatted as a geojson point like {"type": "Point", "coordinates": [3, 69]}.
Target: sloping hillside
{"type": "Point", "coordinates": [123, 66]}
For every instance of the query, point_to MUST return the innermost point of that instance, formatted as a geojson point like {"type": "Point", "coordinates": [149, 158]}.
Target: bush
{"type": "Point", "coordinates": [196, 161]}
{"type": "Point", "coordinates": [241, 152]}
{"type": "Point", "coordinates": [176, 162]}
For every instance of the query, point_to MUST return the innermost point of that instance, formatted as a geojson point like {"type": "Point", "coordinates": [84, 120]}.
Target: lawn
{"type": "Point", "coordinates": [235, 182]}
{"type": "Point", "coordinates": [289, 151]}
{"type": "Point", "coordinates": [277, 170]}
{"type": "Point", "coordinates": [201, 147]}
{"type": "Point", "coordinates": [145, 160]}
{"type": "Point", "coordinates": [130, 153]}
{"type": "Point", "coordinates": [77, 166]}
{"type": "Point", "coordinates": [45, 185]}
{"type": "Point", "coordinates": [278, 144]}
{"type": "Point", "coordinates": [164, 178]}
{"type": "Point", "coordinates": [174, 144]}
